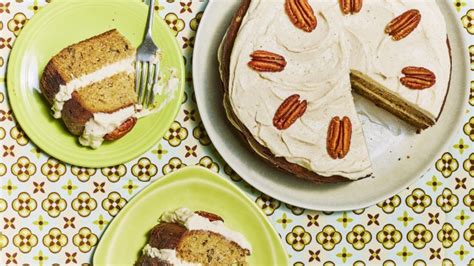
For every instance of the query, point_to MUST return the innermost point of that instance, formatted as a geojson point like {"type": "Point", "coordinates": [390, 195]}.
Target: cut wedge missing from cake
{"type": "Point", "coordinates": [183, 237]}
{"type": "Point", "coordinates": [296, 109]}
{"type": "Point", "coordinates": [91, 86]}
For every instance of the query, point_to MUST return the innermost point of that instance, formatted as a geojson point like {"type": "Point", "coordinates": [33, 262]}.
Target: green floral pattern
{"type": "Point", "coordinates": [55, 213]}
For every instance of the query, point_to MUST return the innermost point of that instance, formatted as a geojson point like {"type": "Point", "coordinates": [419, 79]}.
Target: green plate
{"type": "Point", "coordinates": [197, 189]}
{"type": "Point", "coordinates": [63, 23]}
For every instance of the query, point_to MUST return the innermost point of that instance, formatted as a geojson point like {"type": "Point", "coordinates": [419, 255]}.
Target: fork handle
{"type": "Point", "coordinates": [149, 24]}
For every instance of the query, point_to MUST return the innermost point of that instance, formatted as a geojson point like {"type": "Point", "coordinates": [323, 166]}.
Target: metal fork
{"type": "Point", "coordinates": [147, 64]}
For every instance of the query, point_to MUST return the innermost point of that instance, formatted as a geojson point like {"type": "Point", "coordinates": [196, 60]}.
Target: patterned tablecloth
{"type": "Point", "coordinates": [56, 213]}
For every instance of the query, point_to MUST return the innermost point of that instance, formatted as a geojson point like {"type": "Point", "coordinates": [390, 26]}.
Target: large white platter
{"type": "Point", "coordinates": [399, 155]}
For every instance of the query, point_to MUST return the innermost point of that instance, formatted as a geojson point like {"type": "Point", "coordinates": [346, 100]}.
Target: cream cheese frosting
{"type": "Point", "coordinates": [103, 123]}
{"type": "Point", "coordinates": [193, 221]}
{"type": "Point", "coordinates": [318, 67]}
{"type": "Point", "coordinates": [167, 255]}
{"type": "Point", "coordinates": [65, 91]}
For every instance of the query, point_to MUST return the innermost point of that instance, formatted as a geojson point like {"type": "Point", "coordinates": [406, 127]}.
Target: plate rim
{"type": "Point", "coordinates": [14, 101]}
{"type": "Point", "coordinates": [197, 81]}
{"type": "Point", "coordinates": [213, 176]}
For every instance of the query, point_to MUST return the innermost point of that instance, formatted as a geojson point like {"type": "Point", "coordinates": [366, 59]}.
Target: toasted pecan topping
{"type": "Point", "coordinates": [401, 26]}
{"type": "Point", "coordinates": [289, 111]}
{"type": "Point", "coordinates": [418, 78]}
{"type": "Point", "coordinates": [122, 130]}
{"type": "Point", "coordinates": [339, 137]}
{"type": "Point", "coordinates": [350, 6]}
{"type": "Point", "coordinates": [301, 14]}
{"type": "Point", "coordinates": [210, 216]}
{"type": "Point", "coordinates": [264, 61]}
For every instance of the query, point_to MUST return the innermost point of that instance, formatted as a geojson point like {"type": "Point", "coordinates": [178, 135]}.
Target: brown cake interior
{"type": "Point", "coordinates": [108, 94]}
{"type": "Point", "coordinates": [204, 247]}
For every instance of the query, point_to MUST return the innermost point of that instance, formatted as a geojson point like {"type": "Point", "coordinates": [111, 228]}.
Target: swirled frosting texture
{"type": "Point", "coordinates": [318, 70]}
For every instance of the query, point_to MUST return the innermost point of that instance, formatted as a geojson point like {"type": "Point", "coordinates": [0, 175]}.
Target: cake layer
{"type": "Point", "coordinates": [92, 79]}
{"type": "Point", "coordinates": [92, 54]}
{"type": "Point", "coordinates": [109, 94]}
{"type": "Point", "coordinates": [209, 248]}
{"type": "Point", "coordinates": [196, 222]}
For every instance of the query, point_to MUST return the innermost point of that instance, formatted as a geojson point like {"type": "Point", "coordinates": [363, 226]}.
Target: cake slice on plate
{"type": "Point", "coordinates": [184, 237]}
{"type": "Point", "coordinates": [91, 86]}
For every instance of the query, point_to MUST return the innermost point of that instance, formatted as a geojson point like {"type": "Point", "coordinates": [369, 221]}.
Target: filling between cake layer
{"type": "Point", "coordinates": [103, 123]}
{"type": "Point", "coordinates": [196, 222]}
{"type": "Point", "coordinates": [168, 255]}
{"type": "Point", "coordinates": [65, 91]}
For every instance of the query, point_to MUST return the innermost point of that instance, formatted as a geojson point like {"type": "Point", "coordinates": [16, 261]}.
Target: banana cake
{"type": "Point", "coordinates": [91, 86]}
{"type": "Point", "coordinates": [289, 68]}
{"type": "Point", "coordinates": [184, 237]}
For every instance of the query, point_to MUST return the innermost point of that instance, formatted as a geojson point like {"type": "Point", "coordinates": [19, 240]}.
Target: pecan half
{"type": "Point", "coordinates": [289, 111]}
{"type": "Point", "coordinates": [264, 61]}
{"type": "Point", "coordinates": [210, 216]}
{"type": "Point", "coordinates": [301, 14]}
{"type": "Point", "coordinates": [401, 26]}
{"type": "Point", "coordinates": [339, 137]}
{"type": "Point", "coordinates": [350, 6]}
{"type": "Point", "coordinates": [418, 78]}
{"type": "Point", "coordinates": [122, 130]}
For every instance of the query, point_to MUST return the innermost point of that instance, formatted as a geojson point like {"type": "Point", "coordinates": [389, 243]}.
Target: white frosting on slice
{"type": "Point", "coordinates": [196, 222]}
{"type": "Point", "coordinates": [318, 67]}
{"type": "Point", "coordinates": [65, 91]}
{"type": "Point", "coordinates": [167, 255]}
{"type": "Point", "coordinates": [103, 123]}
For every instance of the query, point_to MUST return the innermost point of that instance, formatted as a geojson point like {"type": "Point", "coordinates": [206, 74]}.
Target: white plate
{"type": "Point", "coordinates": [399, 156]}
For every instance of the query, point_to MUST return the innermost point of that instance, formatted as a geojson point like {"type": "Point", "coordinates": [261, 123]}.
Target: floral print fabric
{"type": "Point", "coordinates": [52, 212]}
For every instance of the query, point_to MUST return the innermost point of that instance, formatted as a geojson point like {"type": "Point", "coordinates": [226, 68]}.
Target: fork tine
{"type": "Point", "coordinates": [156, 75]}
{"type": "Point", "coordinates": [137, 79]}
{"type": "Point", "coordinates": [143, 84]}
{"type": "Point", "coordinates": [149, 86]}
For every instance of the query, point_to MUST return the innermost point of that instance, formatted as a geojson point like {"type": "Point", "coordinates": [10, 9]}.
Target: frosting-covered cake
{"type": "Point", "coordinates": [288, 67]}
{"type": "Point", "coordinates": [184, 237]}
